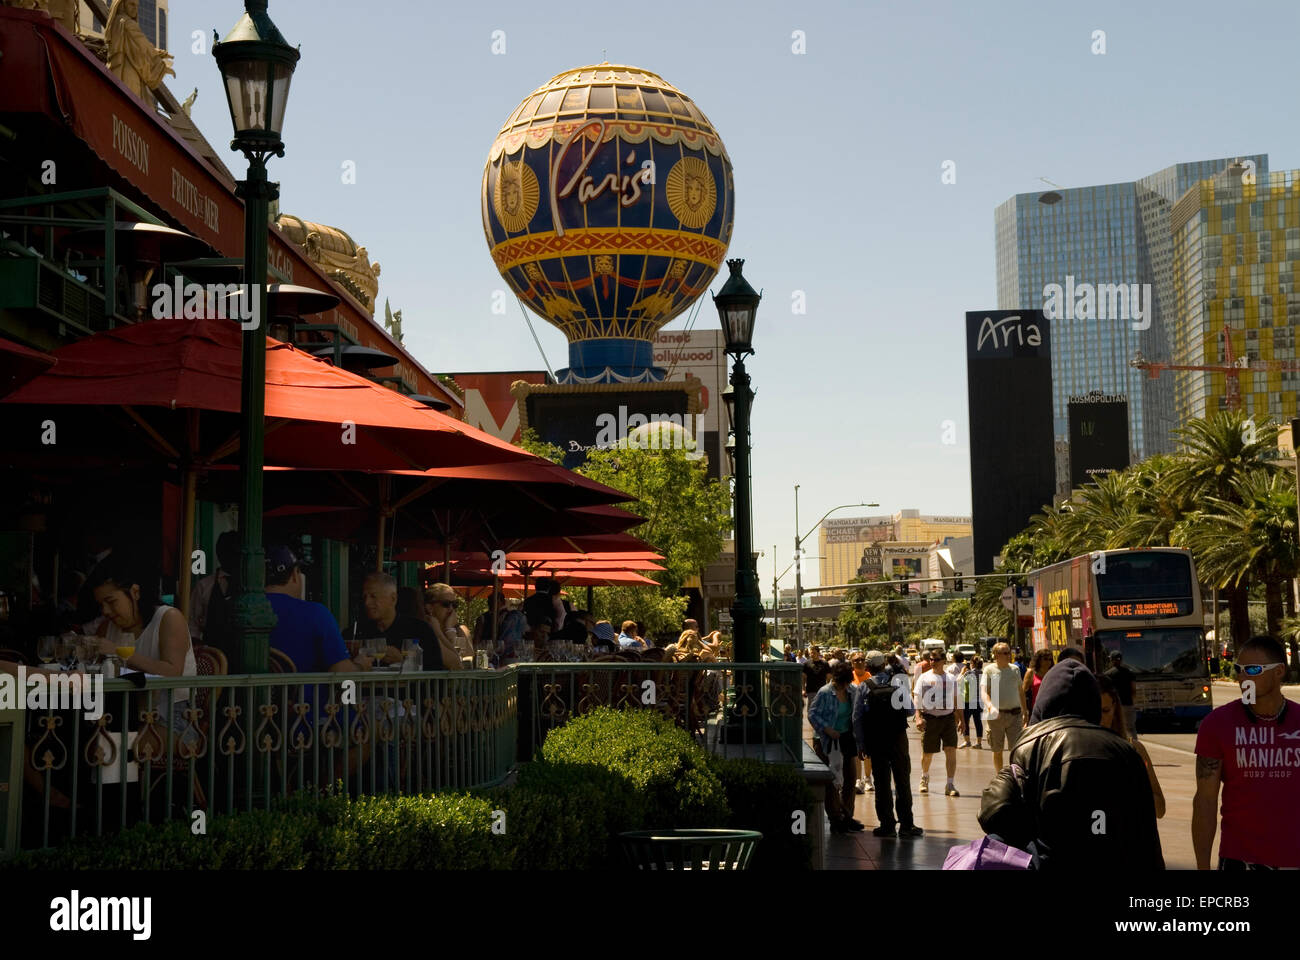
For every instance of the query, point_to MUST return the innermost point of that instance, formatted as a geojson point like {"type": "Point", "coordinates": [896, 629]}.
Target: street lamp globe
{"type": "Point", "coordinates": [737, 304]}
{"type": "Point", "coordinates": [256, 65]}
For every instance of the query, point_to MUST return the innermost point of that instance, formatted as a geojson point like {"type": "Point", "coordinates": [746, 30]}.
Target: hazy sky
{"type": "Point", "coordinates": [838, 156]}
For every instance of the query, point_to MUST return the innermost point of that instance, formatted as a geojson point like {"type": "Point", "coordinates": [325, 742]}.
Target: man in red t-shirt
{"type": "Point", "coordinates": [1252, 747]}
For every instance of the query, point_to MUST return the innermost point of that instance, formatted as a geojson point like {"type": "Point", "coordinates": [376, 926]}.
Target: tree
{"type": "Point", "coordinates": [643, 604]}
{"type": "Point", "coordinates": [530, 441]}
{"type": "Point", "coordinates": [1252, 535]}
{"type": "Point", "coordinates": [687, 513]}
{"type": "Point", "coordinates": [865, 612]}
{"type": "Point", "coordinates": [951, 625]}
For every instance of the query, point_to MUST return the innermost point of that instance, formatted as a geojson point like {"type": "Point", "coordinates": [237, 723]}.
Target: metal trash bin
{"type": "Point", "coordinates": [689, 849]}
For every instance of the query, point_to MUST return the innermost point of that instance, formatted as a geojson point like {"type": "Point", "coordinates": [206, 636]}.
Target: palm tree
{"type": "Point", "coordinates": [1216, 452]}
{"type": "Point", "coordinates": [1156, 503]}
{"type": "Point", "coordinates": [1252, 535]}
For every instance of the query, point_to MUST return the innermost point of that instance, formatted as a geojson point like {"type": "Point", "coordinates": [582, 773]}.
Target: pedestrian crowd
{"type": "Point", "coordinates": [1073, 787]}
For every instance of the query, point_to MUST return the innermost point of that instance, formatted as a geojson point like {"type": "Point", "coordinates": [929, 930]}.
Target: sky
{"type": "Point", "coordinates": [839, 119]}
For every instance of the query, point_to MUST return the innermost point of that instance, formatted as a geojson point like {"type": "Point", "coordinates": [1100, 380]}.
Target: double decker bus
{"type": "Point", "coordinates": [1143, 603]}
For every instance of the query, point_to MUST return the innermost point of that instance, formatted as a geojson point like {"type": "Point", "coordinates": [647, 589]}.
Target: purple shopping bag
{"type": "Point", "coordinates": [987, 853]}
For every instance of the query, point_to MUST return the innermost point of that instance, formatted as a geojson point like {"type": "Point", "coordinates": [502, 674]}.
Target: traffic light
{"type": "Point", "coordinates": [902, 588]}
{"type": "Point", "coordinates": [956, 583]}
{"type": "Point", "coordinates": [923, 600]}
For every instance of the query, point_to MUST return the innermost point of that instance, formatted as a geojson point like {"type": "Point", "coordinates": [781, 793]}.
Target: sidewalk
{"type": "Point", "coordinates": [949, 821]}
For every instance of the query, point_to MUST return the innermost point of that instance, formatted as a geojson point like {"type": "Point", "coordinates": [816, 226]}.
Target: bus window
{"type": "Point", "coordinates": [1145, 575]}
{"type": "Point", "coordinates": [1168, 652]}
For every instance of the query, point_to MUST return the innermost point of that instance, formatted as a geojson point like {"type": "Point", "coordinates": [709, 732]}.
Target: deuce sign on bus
{"type": "Point", "coordinates": [1149, 608]}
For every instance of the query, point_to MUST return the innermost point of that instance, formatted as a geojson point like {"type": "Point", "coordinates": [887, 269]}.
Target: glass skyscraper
{"type": "Point", "coordinates": [1090, 239]}
{"type": "Point", "coordinates": [1236, 247]}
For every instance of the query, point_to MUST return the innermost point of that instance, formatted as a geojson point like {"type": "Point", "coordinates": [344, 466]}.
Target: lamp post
{"type": "Point", "coordinates": [737, 304]}
{"type": "Point", "coordinates": [256, 66]}
{"type": "Point", "coordinates": [798, 558]}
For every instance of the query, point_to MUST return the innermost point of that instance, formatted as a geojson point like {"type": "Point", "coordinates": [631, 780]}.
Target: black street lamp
{"type": "Point", "coordinates": [256, 66]}
{"type": "Point", "coordinates": [737, 305]}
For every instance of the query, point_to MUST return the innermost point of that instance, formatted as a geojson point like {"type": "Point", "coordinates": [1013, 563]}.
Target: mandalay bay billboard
{"type": "Point", "coordinates": [1012, 448]}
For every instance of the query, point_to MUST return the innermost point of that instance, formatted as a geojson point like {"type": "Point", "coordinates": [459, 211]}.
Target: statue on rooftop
{"type": "Point", "coordinates": [137, 62]}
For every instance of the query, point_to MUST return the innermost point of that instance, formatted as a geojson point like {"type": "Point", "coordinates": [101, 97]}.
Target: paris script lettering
{"type": "Point", "coordinates": [628, 187]}
{"type": "Point", "coordinates": [1002, 333]}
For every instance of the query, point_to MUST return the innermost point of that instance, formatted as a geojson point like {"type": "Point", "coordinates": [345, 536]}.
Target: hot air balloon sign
{"type": "Point", "coordinates": [608, 208]}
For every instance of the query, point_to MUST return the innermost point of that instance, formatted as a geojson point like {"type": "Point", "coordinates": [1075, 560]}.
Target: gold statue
{"type": "Point", "coordinates": [338, 255]}
{"type": "Point", "coordinates": [137, 62]}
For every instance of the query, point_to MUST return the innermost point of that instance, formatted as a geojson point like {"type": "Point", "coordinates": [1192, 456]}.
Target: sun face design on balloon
{"type": "Point", "coordinates": [691, 192]}
{"type": "Point", "coordinates": [516, 196]}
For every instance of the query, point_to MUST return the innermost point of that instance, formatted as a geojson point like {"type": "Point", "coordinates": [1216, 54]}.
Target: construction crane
{"type": "Point", "coordinates": [1231, 368]}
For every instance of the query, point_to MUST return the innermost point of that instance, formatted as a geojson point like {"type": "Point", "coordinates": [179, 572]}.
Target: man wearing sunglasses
{"type": "Point", "coordinates": [1252, 748]}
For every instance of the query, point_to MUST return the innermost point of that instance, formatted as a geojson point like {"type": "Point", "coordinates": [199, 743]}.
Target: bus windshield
{"type": "Point", "coordinates": [1145, 575]}
{"type": "Point", "coordinates": [1167, 652]}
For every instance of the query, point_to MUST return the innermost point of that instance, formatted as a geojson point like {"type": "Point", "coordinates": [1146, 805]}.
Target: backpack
{"type": "Point", "coordinates": [883, 717]}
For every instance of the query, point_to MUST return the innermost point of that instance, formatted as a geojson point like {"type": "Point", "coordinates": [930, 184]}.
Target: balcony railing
{"type": "Point", "coordinates": [245, 740]}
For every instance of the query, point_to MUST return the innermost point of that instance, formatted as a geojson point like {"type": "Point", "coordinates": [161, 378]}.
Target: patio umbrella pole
{"type": "Point", "coordinates": [183, 584]}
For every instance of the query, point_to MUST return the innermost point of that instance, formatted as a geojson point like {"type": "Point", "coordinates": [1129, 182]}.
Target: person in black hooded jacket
{"type": "Point", "coordinates": [1075, 795]}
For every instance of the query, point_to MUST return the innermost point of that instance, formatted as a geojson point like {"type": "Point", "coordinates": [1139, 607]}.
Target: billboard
{"type": "Point", "coordinates": [857, 529]}
{"type": "Point", "coordinates": [489, 405]}
{"type": "Point", "coordinates": [581, 419]}
{"type": "Point", "coordinates": [701, 355]}
{"type": "Point", "coordinates": [1098, 436]}
{"type": "Point", "coordinates": [1012, 447]}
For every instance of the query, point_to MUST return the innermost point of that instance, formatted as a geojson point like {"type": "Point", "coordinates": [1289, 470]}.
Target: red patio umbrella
{"type": "Point", "coordinates": [317, 414]}
{"type": "Point", "coordinates": [18, 364]}
{"type": "Point", "coordinates": [163, 374]}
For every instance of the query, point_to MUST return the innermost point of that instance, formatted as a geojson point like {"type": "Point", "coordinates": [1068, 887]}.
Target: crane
{"type": "Point", "coordinates": [1231, 368]}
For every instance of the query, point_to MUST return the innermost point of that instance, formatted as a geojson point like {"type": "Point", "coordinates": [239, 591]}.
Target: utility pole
{"type": "Point", "coordinates": [798, 574]}
{"type": "Point", "coordinates": [776, 599]}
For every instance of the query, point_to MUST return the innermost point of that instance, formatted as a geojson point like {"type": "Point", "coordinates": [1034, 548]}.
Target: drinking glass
{"type": "Point", "coordinates": [46, 648]}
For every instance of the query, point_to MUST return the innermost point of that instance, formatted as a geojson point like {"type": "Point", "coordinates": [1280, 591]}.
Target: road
{"type": "Point", "coordinates": [952, 820]}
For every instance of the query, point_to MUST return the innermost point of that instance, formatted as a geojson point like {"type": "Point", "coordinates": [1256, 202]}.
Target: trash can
{"type": "Point", "coordinates": [689, 849]}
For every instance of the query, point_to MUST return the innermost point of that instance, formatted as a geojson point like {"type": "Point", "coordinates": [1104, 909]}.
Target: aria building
{"type": "Point", "coordinates": [1099, 261]}
{"type": "Point", "coordinates": [1236, 240]}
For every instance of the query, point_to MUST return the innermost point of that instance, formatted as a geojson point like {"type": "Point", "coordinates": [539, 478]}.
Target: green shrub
{"type": "Point", "coordinates": [765, 797]}
{"type": "Point", "coordinates": [601, 775]}
{"type": "Point", "coordinates": [670, 772]}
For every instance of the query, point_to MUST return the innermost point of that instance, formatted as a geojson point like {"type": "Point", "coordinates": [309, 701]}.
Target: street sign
{"type": "Point", "coordinates": [1009, 598]}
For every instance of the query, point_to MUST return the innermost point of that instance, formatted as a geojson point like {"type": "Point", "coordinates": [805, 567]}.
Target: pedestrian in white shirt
{"type": "Point", "coordinates": [940, 714]}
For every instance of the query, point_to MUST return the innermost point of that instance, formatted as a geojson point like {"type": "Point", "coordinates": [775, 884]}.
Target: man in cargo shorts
{"type": "Point", "coordinates": [1001, 689]}
{"type": "Point", "coordinates": [940, 707]}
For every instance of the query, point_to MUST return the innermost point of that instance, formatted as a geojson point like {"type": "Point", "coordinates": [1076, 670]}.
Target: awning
{"type": "Point", "coordinates": [317, 414]}
{"type": "Point", "coordinates": [19, 364]}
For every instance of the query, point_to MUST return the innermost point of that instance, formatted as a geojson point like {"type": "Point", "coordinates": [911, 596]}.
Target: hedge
{"type": "Point", "coordinates": [599, 775]}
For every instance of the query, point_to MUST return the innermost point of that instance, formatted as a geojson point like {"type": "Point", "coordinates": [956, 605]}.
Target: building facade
{"type": "Point", "coordinates": [1235, 245]}
{"type": "Point", "coordinates": [1098, 261]}
{"type": "Point", "coordinates": [843, 542]}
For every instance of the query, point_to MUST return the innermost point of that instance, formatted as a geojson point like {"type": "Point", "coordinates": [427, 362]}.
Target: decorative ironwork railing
{"type": "Point", "coordinates": [240, 741]}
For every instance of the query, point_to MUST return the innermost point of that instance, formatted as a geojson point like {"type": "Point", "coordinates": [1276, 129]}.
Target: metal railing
{"type": "Point", "coordinates": [742, 710]}
{"type": "Point", "coordinates": [241, 741]}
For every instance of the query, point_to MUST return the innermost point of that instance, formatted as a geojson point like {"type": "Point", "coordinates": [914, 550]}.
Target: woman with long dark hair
{"type": "Point", "coordinates": [1112, 718]}
{"type": "Point", "coordinates": [1039, 664]}
{"type": "Point", "coordinates": [831, 718]}
{"type": "Point", "coordinates": [133, 617]}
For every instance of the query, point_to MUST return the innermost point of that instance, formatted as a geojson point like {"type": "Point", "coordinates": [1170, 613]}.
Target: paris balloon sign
{"type": "Point", "coordinates": [608, 205]}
